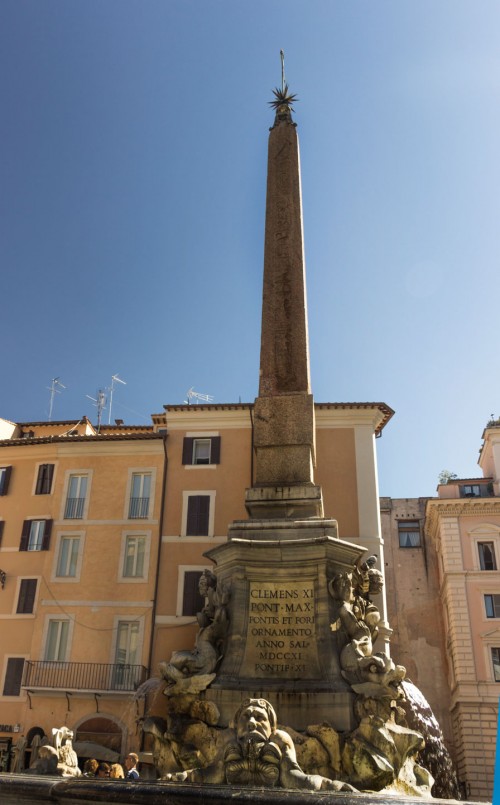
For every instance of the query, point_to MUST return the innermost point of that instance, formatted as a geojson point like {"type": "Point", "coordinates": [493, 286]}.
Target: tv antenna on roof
{"type": "Point", "coordinates": [100, 404]}
{"type": "Point", "coordinates": [194, 395]}
{"type": "Point", "coordinates": [114, 379]}
{"type": "Point", "coordinates": [53, 388]}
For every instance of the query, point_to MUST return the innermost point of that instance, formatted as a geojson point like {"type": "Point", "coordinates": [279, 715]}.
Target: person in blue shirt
{"type": "Point", "coordinates": [131, 762]}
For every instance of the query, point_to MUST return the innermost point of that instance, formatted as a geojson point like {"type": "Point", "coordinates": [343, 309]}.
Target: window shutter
{"type": "Point", "coordinates": [27, 592]}
{"type": "Point", "coordinates": [46, 535]}
{"type": "Point", "coordinates": [203, 515]}
{"type": "Point", "coordinates": [25, 533]}
{"type": "Point", "coordinates": [44, 480]}
{"type": "Point", "coordinates": [40, 479]}
{"type": "Point", "coordinates": [192, 601]}
{"type": "Point", "coordinates": [4, 486]}
{"type": "Point", "coordinates": [13, 676]}
{"type": "Point", "coordinates": [215, 450]}
{"type": "Point", "coordinates": [187, 450]}
{"type": "Point", "coordinates": [192, 515]}
{"type": "Point", "coordinates": [2, 524]}
{"type": "Point", "coordinates": [48, 478]}
{"type": "Point", "coordinates": [198, 515]}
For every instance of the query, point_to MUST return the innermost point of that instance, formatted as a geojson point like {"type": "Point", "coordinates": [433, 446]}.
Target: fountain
{"type": "Point", "coordinates": [289, 690]}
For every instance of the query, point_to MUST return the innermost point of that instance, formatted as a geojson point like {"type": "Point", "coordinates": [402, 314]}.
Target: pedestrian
{"type": "Point", "coordinates": [90, 767]}
{"type": "Point", "coordinates": [131, 762]}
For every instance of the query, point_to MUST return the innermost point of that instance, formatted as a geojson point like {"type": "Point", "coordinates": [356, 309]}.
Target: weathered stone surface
{"type": "Point", "coordinates": [283, 529]}
{"type": "Point", "coordinates": [285, 420]}
{"type": "Point", "coordinates": [280, 645]}
{"type": "Point", "coordinates": [284, 357]}
{"type": "Point", "coordinates": [330, 740]}
{"type": "Point", "coordinates": [284, 423]}
{"type": "Point", "coordinates": [293, 502]}
{"type": "Point", "coordinates": [20, 790]}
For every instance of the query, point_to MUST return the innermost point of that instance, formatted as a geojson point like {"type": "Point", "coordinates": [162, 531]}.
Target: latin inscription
{"type": "Point", "coordinates": [281, 630]}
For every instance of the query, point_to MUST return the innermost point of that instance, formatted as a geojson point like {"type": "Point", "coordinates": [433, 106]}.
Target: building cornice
{"type": "Point", "coordinates": [328, 414]}
{"type": "Point", "coordinates": [345, 415]}
{"type": "Point", "coordinates": [459, 507]}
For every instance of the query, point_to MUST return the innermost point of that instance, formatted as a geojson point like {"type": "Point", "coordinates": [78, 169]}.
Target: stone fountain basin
{"type": "Point", "coordinates": [20, 789]}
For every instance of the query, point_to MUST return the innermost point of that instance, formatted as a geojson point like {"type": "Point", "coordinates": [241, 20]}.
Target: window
{"type": "Point", "coordinates": [5, 473]}
{"type": "Point", "coordinates": [75, 501]}
{"type": "Point", "coordinates": [487, 559]}
{"type": "Point", "coordinates": [67, 561]}
{"type": "Point", "coordinates": [495, 657]}
{"type": "Point", "coordinates": [27, 593]}
{"type": "Point", "coordinates": [140, 493]}
{"type": "Point", "coordinates": [198, 516]}
{"type": "Point", "coordinates": [126, 654]}
{"type": "Point", "coordinates": [409, 534]}
{"type": "Point", "coordinates": [127, 643]}
{"type": "Point", "coordinates": [133, 563]}
{"type": "Point", "coordinates": [57, 641]}
{"type": "Point", "coordinates": [13, 676]}
{"type": "Point", "coordinates": [35, 535]}
{"type": "Point", "coordinates": [492, 606]}
{"type": "Point", "coordinates": [192, 601]}
{"type": "Point", "coordinates": [201, 450]}
{"type": "Point", "coordinates": [470, 491]}
{"type": "Point", "coordinates": [44, 479]}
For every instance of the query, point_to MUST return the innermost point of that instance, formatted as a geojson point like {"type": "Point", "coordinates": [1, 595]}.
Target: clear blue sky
{"type": "Point", "coordinates": [133, 161]}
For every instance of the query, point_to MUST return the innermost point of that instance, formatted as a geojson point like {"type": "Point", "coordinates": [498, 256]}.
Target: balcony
{"type": "Point", "coordinates": [138, 508]}
{"type": "Point", "coordinates": [80, 676]}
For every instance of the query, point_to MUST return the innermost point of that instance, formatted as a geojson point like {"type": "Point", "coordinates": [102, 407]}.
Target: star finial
{"type": "Point", "coordinates": [283, 98]}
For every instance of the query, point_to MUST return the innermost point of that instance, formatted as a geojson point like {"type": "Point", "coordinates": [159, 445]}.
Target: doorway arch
{"type": "Point", "coordinates": [103, 729]}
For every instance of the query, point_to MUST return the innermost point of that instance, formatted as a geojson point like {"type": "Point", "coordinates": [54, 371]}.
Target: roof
{"type": "Point", "coordinates": [52, 423]}
{"type": "Point", "coordinates": [98, 437]}
{"type": "Point", "coordinates": [481, 480]}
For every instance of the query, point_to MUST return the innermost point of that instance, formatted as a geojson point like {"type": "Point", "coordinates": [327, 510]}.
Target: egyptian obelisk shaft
{"type": "Point", "coordinates": [284, 357]}
{"type": "Point", "coordinates": [284, 428]}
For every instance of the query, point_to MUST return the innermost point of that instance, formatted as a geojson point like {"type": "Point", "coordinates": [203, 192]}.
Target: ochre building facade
{"type": "Point", "coordinates": [103, 536]}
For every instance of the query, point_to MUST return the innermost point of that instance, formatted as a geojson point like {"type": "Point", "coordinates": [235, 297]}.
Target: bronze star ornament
{"type": "Point", "coordinates": [283, 98]}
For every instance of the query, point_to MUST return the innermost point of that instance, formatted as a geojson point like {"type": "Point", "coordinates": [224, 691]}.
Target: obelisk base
{"type": "Point", "coordinates": [273, 576]}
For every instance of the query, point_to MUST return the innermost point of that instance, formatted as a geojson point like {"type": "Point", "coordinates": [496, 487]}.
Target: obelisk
{"type": "Point", "coordinates": [275, 568]}
{"type": "Point", "coordinates": [284, 426]}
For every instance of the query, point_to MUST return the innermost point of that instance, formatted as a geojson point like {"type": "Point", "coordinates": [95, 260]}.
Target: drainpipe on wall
{"type": "Point", "coordinates": [157, 577]}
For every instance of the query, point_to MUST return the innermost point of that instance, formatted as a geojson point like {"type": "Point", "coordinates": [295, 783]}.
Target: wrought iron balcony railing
{"type": "Point", "coordinates": [74, 508]}
{"type": "Point", "coordinates": [138, 508]}
{"type": "Point", "coordinates": [92, 676]}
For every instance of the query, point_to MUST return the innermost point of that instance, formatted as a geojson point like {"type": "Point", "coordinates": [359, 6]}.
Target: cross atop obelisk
{"type": "Point", "coordinates": [284, 429]}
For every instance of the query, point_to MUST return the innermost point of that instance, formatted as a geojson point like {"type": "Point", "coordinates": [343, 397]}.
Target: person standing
{"type": "Point", "coordinates": [131, 762]}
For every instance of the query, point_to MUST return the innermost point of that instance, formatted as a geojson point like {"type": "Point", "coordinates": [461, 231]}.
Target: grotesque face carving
{"type": "Point", "coordinates": [254, 722]}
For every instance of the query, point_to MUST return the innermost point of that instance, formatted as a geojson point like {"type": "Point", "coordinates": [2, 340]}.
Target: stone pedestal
{"type": "Point", "coordinates": [294, 502]}
{"type": "Point", "coordinates": [280, 645]}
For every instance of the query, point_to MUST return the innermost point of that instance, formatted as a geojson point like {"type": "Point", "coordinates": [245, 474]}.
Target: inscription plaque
{"type": "Point", "coordinates": [281, 632]}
